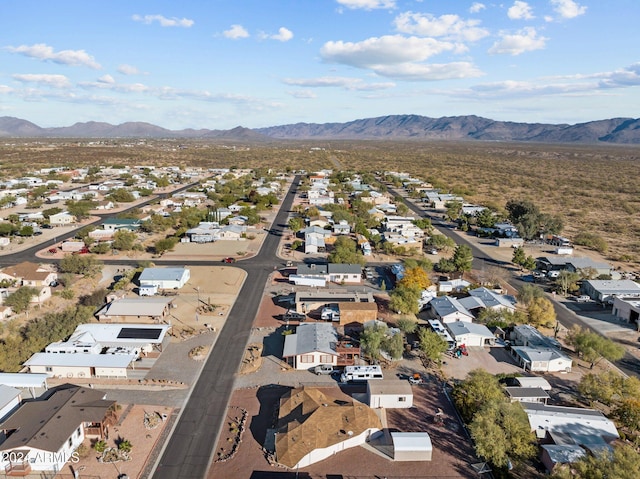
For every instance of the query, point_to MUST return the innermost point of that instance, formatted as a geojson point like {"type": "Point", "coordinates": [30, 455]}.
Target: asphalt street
{"type": "Point", "coordinates": [190, 449]}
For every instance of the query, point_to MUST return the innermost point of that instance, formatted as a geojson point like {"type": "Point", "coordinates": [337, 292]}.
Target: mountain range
{"type": "Point", "coordinates": [391, 127]}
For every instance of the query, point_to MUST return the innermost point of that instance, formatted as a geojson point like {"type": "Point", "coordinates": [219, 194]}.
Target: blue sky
{"type": "Point", "coordinates": [218, 64]}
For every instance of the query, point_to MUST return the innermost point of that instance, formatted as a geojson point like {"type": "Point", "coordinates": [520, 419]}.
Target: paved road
{"type": "Point", "coordinates": [190, 450]}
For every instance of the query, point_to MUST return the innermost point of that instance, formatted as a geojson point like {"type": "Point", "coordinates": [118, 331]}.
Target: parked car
{"type": "Point", "coordinates": [229, 260]}
{"type": "Point", "coordinates": [416, 379]}
{"type": "Point", "coordinates": [324, 369]}
{"type": "Point", "coordinates": [583, 299]}
{"type": "Point", "coordinates": [294, 316]}
{"type": "Point", "coordinates": [46, 226]}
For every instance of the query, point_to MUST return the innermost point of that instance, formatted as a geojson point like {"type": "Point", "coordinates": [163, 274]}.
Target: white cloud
{"type": "Point", "coordinates": [300, 94]}
{"type": "Point", "coordinates": [283, 35]}
{"type": "Point", "coordinates": [568, 8]}
{"type": "Point", "coordinates": [526, 40]}
{"type": "Point", "coordinates": [429, 72]}
{"type": "Point", "coordinates": [42, 51]}
{"type": "Point", "coordinates": [520, 11]}
{"type": "Point", "coordinates": [128, 70]}
{"type": "Point", "coordinates": [347, 83]}
{"type": "Point", "coordinates": [54, 81]}
{"type": "Point", "coordinates": [477, 7]}
{"type": "Point", "coordinates": [388, 49]}
{"type": "Point", "coordinates": [5, 89]}
{"type": "Point", "coordinates": [235, 32]}
{"type": "Point", "coordinates": [107, 82]}
{"type": "Point", "coordinates": [447, 26]}
{"type": "Point", "coordinates": [164, 21]}
{"type": "Point", "coordinates": [367, 4]}
{"type": "Point", "coordinates": [107, 79]}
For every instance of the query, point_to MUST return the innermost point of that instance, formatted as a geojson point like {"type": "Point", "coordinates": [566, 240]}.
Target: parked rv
{"type": "Point", "coordinates": [361, 373]}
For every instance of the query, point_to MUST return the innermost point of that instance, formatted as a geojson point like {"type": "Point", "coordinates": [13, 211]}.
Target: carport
{"type": "Point", "coordinates": [411, 446]}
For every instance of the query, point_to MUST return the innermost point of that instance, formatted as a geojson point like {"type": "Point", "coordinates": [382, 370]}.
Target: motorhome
{"type": "Point", "coordinates": [360, 373]}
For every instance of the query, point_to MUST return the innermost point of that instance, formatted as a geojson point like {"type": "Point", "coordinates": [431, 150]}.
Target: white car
{"type": "Point", "coordinates": [583, 299]}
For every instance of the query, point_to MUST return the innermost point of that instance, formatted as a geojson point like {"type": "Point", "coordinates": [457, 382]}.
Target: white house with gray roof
{"type": "Point", "coordinates": [135, 310]}
{"type": "Point", "coordinates": [165, 278]}
{"type": "Point", "coordinates": [606, 290]}
{"type": "Point", "coordinates": [311, 345]}
{"type": "Point", "coordinates": [448, 310]}
{"type": "Point", "coordinates": [470, 334]}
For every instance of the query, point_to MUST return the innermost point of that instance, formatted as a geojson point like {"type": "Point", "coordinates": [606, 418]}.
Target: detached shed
{"type": "Point", "coordinates": [389, 393]}
{"type": "Point", "coordinates": [411, 446]}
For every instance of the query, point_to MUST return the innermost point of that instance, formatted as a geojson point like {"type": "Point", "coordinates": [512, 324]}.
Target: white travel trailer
{"type": "Point", "coordinates": [360, 373]}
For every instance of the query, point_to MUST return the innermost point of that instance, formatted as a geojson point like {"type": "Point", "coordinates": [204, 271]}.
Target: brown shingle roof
{"type": "Point", "coordinates": [308, 420]}
{"type": "Point", "coordinates": [26, 270]}
{"type": "Point", "coordinates": [46, 424]}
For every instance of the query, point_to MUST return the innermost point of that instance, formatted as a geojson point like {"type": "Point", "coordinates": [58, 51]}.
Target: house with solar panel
{"type": "Point", "coordinates": [99, 350]}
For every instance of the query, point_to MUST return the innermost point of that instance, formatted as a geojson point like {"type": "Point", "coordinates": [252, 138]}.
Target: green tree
{"type": "Point", "coordinates": [371, 339]}
{"type": "Point", "coordinates": [445, 265]}
{"type": "Point", "coordinates": [486, 218]}
{"type": "Point", "coordinates": [628, 414]}
{"type": "Point", "coordinates": [165, 244]}
{"type": "Point", "coordinates": [501, 432]}
{"type": "Point", "coordinates": [479, 388]}
{"type": "Point", "coordinates": [454, 209]}
{"type": "Point", "coordinates": [592, 347]}
{"type": "Point", "coordinates": [393, 346]}
{"type": "Point", "coordinates": [19, 300]}
{"type": "Point", "coordinates": [80, 209]}
{"type": "Point", "coordinates": [101, 248]}
{"type": "Point", "coordinates": [121, 195]}
{"type": "Point", "coordinates": [432, 344]}
{"type": "Point", "coordinates": [26, 231]}
{"type": "Point", "coordinates": [623, 463]}
{"type": "Point", "coordinates": [541, 312]}
{"type": "Point", "coordinates": [519, 256]}
{"type": "Point", "coordinates": [602, 387]}
{"type": "Point", "coordinates": [124, 240]}
{"type": "Point", "coordinates": [404, 299]}
{"type": "Point", "coordinates": [345, 251]}
{"type": "Point", "coordinates": [85, 264]}
{"type": "Point", "coordinates": [529, 263]}
{"type": "Point", "coordinates": [528, 292]}
{"type": "Point", "coordinates": [441, 242]}
{"type": "Point", "coordinates": [462, 258]}
{"type": "Point", "coordinates": [407, 325]}
{"type": "Point", "coordinates": [567, 282]}
{"type": "Point", "coordinates": [296, 224]}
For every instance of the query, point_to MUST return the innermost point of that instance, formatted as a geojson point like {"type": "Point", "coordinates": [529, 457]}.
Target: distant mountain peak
{"type": "Point", "coordinates": [389, 127]}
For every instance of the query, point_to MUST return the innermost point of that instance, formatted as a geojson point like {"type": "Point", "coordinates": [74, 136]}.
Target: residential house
{"type": "Point", "coordinates": [537, 359]}
{"type": "Point", "coordinates": [483, 298]}
{"type": "Point", "coordinates": [114, 224]}
{"type": "Point", "coordinates": [389, 394]}
{"type": "Point", "coordinates": [448, 310]}
{"type": "Point", "coordinates": [63, 218]}
{"type": "Point", "coordinates": [342, 228]}
{"type": "Point", "coordinates": [10, 399]}
{"type": "Point", "coordinates": [605, 291]}
{"type": "Point", "coordinates": [49, 430]}
{"type": "Point", "coordinates": [308, 301]}
{"type": "Point", "coordinates": [165, 278]}
{"type": "Point", "coordinates": [470, 334]}
{"type": "Point", "coordinates": [577, 425]}
{"type": "Point", "coordinates": [313, 426]}
{"type": "Point", "coordinates": [93, 338]}
{"type": "Point", "coordinates": [134, 310]}
{"type": "Point", "coordinates": [314, 344]}
{"type": "Point", "coordinates": [29, 274]}
{"type": "Point", "coordinates": [560, 263]}
{"type": "Point", "coordinates": [112, 365]}
{"type": "Point", "coordinates": [520, 394]}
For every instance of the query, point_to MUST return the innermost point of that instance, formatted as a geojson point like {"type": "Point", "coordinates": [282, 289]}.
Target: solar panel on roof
{"type": "Point", "coordinates": [139, 333]}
